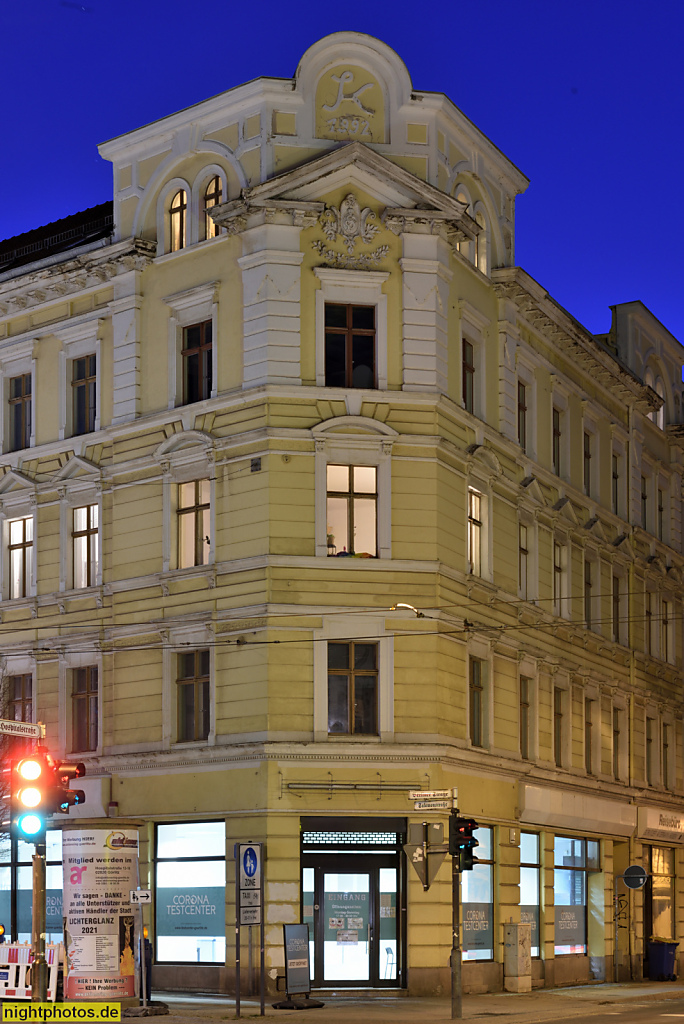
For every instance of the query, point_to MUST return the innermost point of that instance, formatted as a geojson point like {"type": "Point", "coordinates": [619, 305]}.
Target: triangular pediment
{"type": "Point", "coordinates": [353, 165]}
{"type": "Point", "coordinates": [77, 468]}
{"type": "Point", "coordinates": [531, 490]}
{"type": "Point", "coordinates": [594, 527]}
{"type": "Point", "coordinates": [656, 564]}
{"type": "Point", "coordinates": [623, 545]}
{"type": "Point", "coordinates": [674, 574]}
{"type": "Point", "coordinates": [565, 510]}
{"type": "Point", "coordinates": [15, 482]}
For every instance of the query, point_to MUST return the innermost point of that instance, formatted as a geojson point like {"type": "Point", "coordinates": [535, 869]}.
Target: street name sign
{"type": "Point", "coordinates": [433, 805]}
{"type": "Point", "coordinates": [433, 794]}
{"type": "Point", "coordinates": [140, 896]}
{"type": "Point", "coordinates": [10, 728]}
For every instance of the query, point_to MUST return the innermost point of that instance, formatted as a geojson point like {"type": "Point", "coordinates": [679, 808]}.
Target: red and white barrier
{"type": "Point", "coordinates": [15, 969]}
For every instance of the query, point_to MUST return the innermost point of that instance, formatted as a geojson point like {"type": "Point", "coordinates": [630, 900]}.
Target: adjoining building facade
{"type": "Point", "coordinates": [292, 380]}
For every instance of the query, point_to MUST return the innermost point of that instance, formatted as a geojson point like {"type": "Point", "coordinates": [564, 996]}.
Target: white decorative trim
{"type": "Point", "coordinates": [191, 306]}
{"type": "Point", "coordinates": [78, 340]}
{"type": "Point", "coordinates": [69, 660]}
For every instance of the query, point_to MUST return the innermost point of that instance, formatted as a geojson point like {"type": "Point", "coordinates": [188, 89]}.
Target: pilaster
{"type": "Point", "coordinates": [126, 372]}
{"type": "Point", "coordinates": [426, 280]}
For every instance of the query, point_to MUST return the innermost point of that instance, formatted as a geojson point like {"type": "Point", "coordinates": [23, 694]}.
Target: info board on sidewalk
{"type": "Point", "coordinates": [100, 869]}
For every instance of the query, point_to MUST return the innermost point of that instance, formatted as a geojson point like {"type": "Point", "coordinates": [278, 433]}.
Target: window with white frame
{"type": "Point", "coordinates": [85, 708]}
{"type": "Point", "coordinates": [192, 348]}
{"type": "Point", "coordinates": [353, 487]}
{"type": "Point", "coordinates": [193, 688]}
{"type": "Point", "coordinates": [188, 489]}
{"type": "Point", "coordinates": [351, 329]}
{"type": "Point", "coordinates": [475, 531]}
{"type": "Point", "coordinates": [86, 546]}
{"type": "Point", "coordinates": [651, 749]}
{"type": "Point", "coordinates": [620, 766]}
{"type": "Point", "coordinates": [473, 360]}
{"type": "Point", "coordinates": [353, 679]}
{"type": "Point", "coordinates": [213, 196]}
{"type": "Point", "coordinates": [560, 585]}
{"type": "Point", "coordinates": [20, 411]}
{"type": "Point", "coordinates": [20, 557]}
{"type": "Point", "coordinates": [177, 228]}
{"type": "Point", "coordinates": [193, 518]}
{"type": "Point", "coordinates": [17, 370]}
{"type": "Point", "coordinates": [80, 379]}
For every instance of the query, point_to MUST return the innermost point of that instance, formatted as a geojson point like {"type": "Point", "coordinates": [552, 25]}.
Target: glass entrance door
{"type": "Point", "coordinates": [350, 904]}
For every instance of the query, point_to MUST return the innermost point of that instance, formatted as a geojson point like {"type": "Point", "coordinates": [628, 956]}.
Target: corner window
{"type": "Point", "coordinates": [475, 525]}
{"type": "Point", "coordinates": [197, 362]}
{"type": "Point", "coordinates": [83, 388]}
{"type": "Point", "coordinates": [86, 544]}
{"type": "Point", "coordinates": [20, 412]}
{"type": "Point", "coordinates": [353, 688]}
{"type": "Point", "coordinates": [20, 548]}
{"type": "Point", "coordinates": [352, 501]}
{"type": "Point", "coordinates": [529, 885]}
{"type": "Point", "coordinates": [178, 220]}
{"type": "Point", "coordinates": [574, 860]}
{"type": "Point", "coordinates": [193, 523]}
{"type": "Point", "coordinates": [193, 696]}
{"type": "Point", "coordinates": [85, 708]}
{"type": "Point", "coordinates": [350, 349]}
{"type": "Point", "coordinates": [478, 901]}
{"type": "Point", "coordinates": [212, 197]}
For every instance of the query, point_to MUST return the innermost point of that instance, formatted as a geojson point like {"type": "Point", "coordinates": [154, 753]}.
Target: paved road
{"type": "Point", "coordinates": [632, 1013]}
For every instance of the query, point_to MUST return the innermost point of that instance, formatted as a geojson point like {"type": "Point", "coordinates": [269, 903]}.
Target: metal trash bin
{"type": "Point", "coordinates": [661, 961]}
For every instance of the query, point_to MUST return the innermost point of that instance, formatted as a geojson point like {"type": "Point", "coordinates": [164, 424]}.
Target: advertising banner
{"type": "Point", "coordinates": [100, 933]}
{"type": "Point", "coordinates": [200, 910]}
{"type": "Point", "coordinates": [297, 971]}
{"type": "Point", "coordinates": [571, 928]}
{"type": "Point", "coordinates": [530, 915]}
{"type": "Point", "coordinates": [477, 926]}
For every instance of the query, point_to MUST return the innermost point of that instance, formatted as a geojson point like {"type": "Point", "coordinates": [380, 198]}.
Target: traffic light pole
{"type": "Point", "coordinates": [456, 958]}
{"type": "Point", "coordinates": [39, 971]}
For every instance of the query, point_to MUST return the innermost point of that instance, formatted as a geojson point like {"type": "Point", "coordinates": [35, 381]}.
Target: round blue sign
{"type": "Point", "coordinates": [249, 862]}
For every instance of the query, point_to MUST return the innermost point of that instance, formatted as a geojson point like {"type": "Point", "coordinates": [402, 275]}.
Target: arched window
{"type": "Point", "coordinates": [177, 220]}
{"type": "Point", "coordinates": [212, 197]}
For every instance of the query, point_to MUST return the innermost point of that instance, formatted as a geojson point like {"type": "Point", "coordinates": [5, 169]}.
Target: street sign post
{"type": "Point", "coordinates": [425, 850]}
{"type": "Point", "coordinates": [249, 906]}
{"type": "Point", "coordinates": [26, 729]}
{"type": "Point", "coordinates": [634, 877]}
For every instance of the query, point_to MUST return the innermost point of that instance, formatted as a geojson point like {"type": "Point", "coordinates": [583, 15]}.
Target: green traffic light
{"type": "Point", "coordinates": [30, 824]}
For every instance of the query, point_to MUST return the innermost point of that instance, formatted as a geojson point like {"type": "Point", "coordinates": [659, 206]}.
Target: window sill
{"type": "Point", "coordinates": [353, 737]}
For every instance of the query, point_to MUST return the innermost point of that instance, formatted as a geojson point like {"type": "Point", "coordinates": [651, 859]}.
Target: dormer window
{"type": "Point", "coordinates": [177, 220]}
{"type": "Point", "coordinates": [212, 197]}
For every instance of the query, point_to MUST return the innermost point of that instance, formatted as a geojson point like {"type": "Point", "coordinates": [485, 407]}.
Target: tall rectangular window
{"type": "Point", "coordinates": [616, 609]}
{"type": "Point", "coordinates": [523, 559]}
{"type": "Point", "coordinates": [84, 708]}
{"type": "Point", "coordinates": [558, 560]}
{"type": "Point", "coordinates": [661, 509]}
{"type": "Point", "coordinates": [648, 622]}
{"type": "Point", "coordinates": [644, 503]}
{"type": "Point", "coordinates": [665, 629]}
{"type": "Point", "coordinates": [476, 700]}
{"type": "Point", "coordinates": [193, 696]}
{"type": "Point", "coordinates": [588, 737]}
{"type": "Point", "coordinates": [19, 708]}
{"type": "Point", "coordinates": [616, 744]}
{"type": "Point", "coordinates": [193, 523]}
{"type": "Point", "coordinates": [615, 484]}
{"type": "Point", "coordinates": [666, 755]}
{"type": "Point", "coordinates": [352, 510]}
{"type": "Point", "coordinates": [660, 864]}
{"type": "Point", "coordinates": [86, 546]}
{"type": "Point", "coordinates": [20, 556]}
{"type": "Point", "coordinates": [529, 885]}
{"type": "Point", "coordinates": [196, 352]}
{"type": "Point", "coordinates": [525, 715]}
{"type": "Point", "coordinates": [478, 900]}
{"type": "Point", "coordinates": [558, 726]}
{"type": "Point", "coordinates": [83, 381]}
{"type": "Point", "coordinates": [650, 752]}
{"type": "Point", "coordinates": [350, 360]}
{"type": "Point", "coordinates": [586, 463]}
{"type": "Point", "coordinates": [522, 415]}
{"type": "Point", "coordinates": [574, 859]}
{"type": "Point", "coordinates": [20, 412]}
{"type": "Point", "coordinates": [556, 442]}
{"type": "Point", "coordinates": [468, 383]}
{"type": "Point", "coordinates": [588, 593]}
{"type": "Point", "coordinates": [353, 688]}
{"type": "Point", "coordinates": [474, 532]}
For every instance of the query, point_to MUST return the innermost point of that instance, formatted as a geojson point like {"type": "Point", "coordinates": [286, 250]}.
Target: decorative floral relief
{"type": "Point", "coordinates": [350, 221]}
{"type": "Point", "coordinates": [350, 262]}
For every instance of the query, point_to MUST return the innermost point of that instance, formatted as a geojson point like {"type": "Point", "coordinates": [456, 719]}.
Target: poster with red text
{"type": "Point", "coordinates": [100, 933]}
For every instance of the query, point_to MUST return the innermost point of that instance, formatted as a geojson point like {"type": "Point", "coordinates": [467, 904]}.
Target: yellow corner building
{"type": "Point", "coordinates": [311, 498]}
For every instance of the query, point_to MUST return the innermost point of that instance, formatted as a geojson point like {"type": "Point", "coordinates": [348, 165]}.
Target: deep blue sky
{"type": "Point", "coordinates": [586, 98]}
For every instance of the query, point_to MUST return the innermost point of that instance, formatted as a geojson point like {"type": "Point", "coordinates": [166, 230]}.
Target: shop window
{"type": "Point", "coordinates": [86, 543]}
{"type": "Point", "coordinates": [85, 713]}
{"type": "Point", "coordinates": [353, 688]}
{"type": "Point", "coordinates": [20, 412]}
{"type": "Point", "coordinates": [197, 362]}
{"type": "Point", "coordinates": [659, 905]}
{"type": "Point", "coordinates": [574, 859]}
{"type": "Point", "coordinates": [16, 872]}
{"type": "Point", "coordinates": [350, 356]}
{"type": "Point", "coordinates": [20, 551]}
{"type": "Point", "coordinates": [193, 523]}
{"type": "Point", "coordinates": [190, 878]}
{"type": "Point", "coordinates": [477, 888]}
{"type": "Point", "coordinates": [194, 715]}
{"type": "Point", "coordinates": [530, 885]}
{"type": "Point", "coordinates": [352, 510]}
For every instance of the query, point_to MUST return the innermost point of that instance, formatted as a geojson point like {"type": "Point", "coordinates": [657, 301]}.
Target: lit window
{"type": "Point", "coordinates": [193, 696]}
{"type": "Point", "coordinates": [196, 352]}
{"type": "Point", "coordinates": [468, 360]}
{"type": "Point", "coordinates": [83, 381]}
{"type": "Point", "coordinates": [177, 220]}
{"type": "Point", "coordinates": [352, 502]}
{"type": "Point", "coordinates": [349, 346]}
{"type": "Point", "coordinates": [20, 412]}
{"type": "Point", "coordinates": [20, 556]}
{"type": "Point", "coordinates": [476, 690]}
{"type": "Point", "coordinates": [522, 415]}
{"type": "Point", "coordinates": [556, 442]}
{"type": "Point", "coordinates": [86, 546]}
{"type": "Point", "coordinates": [84, 706]}
{"type": "Point", "coordinates": [212, 197]}
{"type": "Point", "coordinates": [193, 523]}
{"type": "Point", "coordinates": [353, 688]}
{"type": "Point", "coordinates": [474, 532]}
{"type": "Point", "coordinates": [530, 890]}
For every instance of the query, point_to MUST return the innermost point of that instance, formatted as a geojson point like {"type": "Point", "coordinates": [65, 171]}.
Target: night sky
{"type": "Point", "coordinates": [586, 98]}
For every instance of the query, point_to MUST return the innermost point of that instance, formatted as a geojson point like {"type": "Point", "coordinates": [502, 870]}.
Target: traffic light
{"type": "Point", "coordinates": [62, 798]}
{"type": "Point", "coordinates": [30, 796]}
{"type": "Point", "coordinates": [462, 842]}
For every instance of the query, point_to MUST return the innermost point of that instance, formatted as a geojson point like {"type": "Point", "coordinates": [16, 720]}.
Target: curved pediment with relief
{"type": "Point", "coordinates": [183, 446]}
{"type": "Point", "coordinates": [353, 425]}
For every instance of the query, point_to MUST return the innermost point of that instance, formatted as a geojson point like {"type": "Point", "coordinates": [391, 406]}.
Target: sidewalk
{"type": "Point", "coordinates": [506, 1007]}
